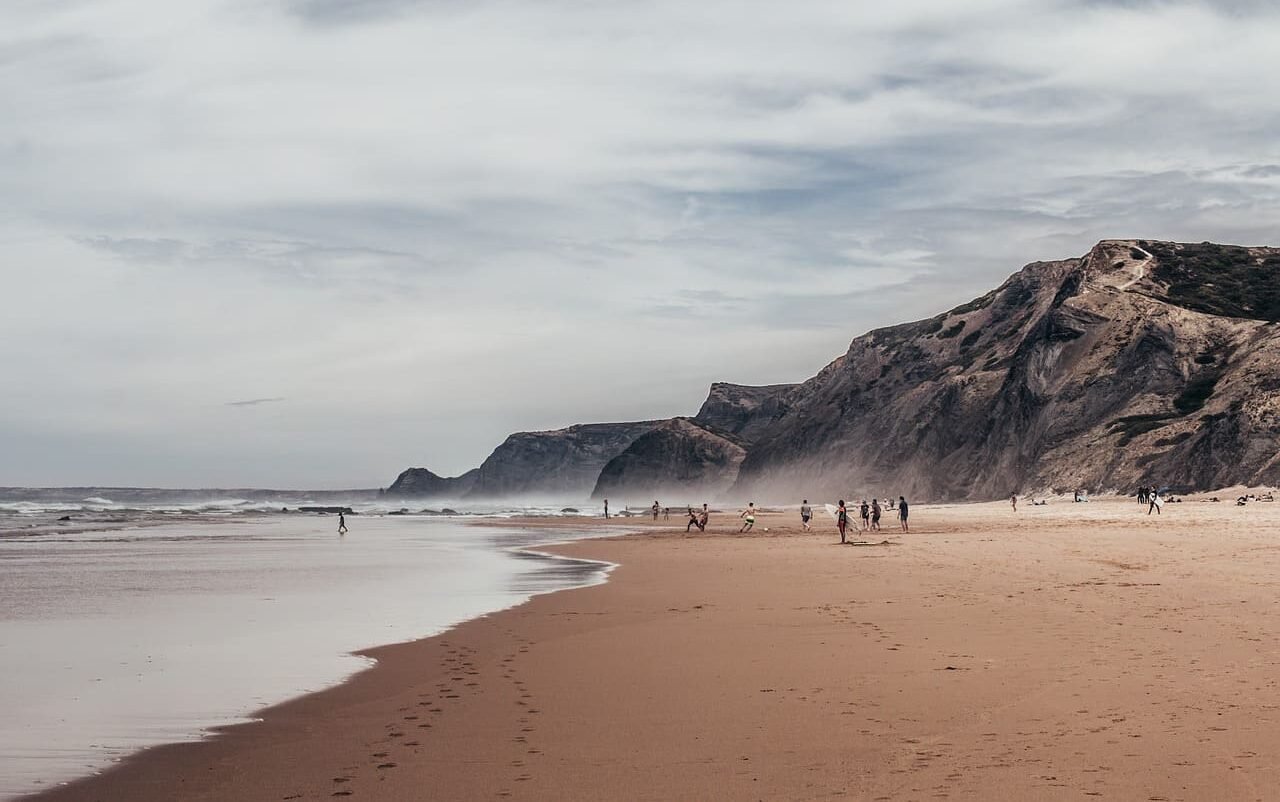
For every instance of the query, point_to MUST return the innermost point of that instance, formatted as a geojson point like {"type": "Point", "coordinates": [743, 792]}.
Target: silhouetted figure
{"type": "Point", "coordinates": [842, 519]}
{"type": "Point", "coordinates": [606, 508]}
{"type": "Point", "coordinates": [902, 513]}
{"type": "Point", "coordinates": [875, 514]}
{"type": "Point", "coordinates": [342, 524]}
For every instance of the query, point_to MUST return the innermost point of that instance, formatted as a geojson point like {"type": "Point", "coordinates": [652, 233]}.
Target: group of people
{"type": "Point", "coordinates": [1152, 498]}
{"type": "Point", "coordinates": [868, 513]}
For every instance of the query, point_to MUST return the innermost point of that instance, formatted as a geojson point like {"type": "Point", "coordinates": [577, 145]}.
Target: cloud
{"type": "Point", "coordinates": [429, 223]}
{"type": "Point", "coordinates": [253, 402]}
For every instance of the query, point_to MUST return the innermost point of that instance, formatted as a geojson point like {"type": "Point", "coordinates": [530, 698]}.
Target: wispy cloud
{"type": "Point", "coordinates": [253, 402]}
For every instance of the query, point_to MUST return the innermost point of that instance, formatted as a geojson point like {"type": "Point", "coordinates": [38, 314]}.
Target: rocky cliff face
{"type": "Point", "coordinates": [563, 464]}
{"type": "Point", "coordinates": [742, 410]}
{"type": "Point", "coordinates": [681, 460]}
{"type": "Point", "coordinates": [1140, 362]}
{"type": "Point", "coordinates": [422, 483]}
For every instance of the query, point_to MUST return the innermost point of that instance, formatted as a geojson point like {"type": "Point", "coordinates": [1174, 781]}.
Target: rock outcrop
{"type": "Point", "coordinates": [422, 483]}
{"type": "Point", "coordinates": [681, 460]}
{"type": "Point", "coordinates": [742, 410]}
{"type": "Point", "coordinates": [1139, 363]}
{"type": "Point", "coordinates": [563, 463]}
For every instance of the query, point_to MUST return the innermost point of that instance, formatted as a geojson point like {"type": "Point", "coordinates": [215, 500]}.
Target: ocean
{"type": "Point", "coordinates": [140, 622]}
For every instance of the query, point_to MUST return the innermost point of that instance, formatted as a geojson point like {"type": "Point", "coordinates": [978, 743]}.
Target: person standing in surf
{"type": "Point", "coordinates": [749, 516]}
{"type": "Point", "coordinates": [875, 514]}
{"type": "Point", "coordinates": [806, 512]}
{"type": "Point", "coordinates": [606, 509]}
{"type": "Point", "coordinates": [342, 523]}
{"type": "Point", "coordinates": [842, 519]}
{"type": "Point", "coordinates": [902, 513]}
{"type": "Point", "coordinates": [656, 509]}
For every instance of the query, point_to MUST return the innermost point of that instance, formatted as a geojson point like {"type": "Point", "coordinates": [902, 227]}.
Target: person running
{"type": "Point", "coordinates": [864, 512]}
{"type": "Point", "coordinates": [703, 518]}
{"type": "Point", "coordinates": [806, 513]}
{"type": "Point", "coordinates": [902, 513]}
{"type": "Point", "coordinates": [1156, 502]}
{"type": "Point", "coordinates": [875, 514]}
{"type": "Point", "coordinates": [842, 519]}
{"type": "Point", "coordinates": [693, 521]}
{"type": "Point", "coordinates": [749, 517]}
{"type": "Point", "coordinates": [656, 510]}
{"type": "Point", "coordinates": [1014, 501]}
{"type": "Point", "coordinates": [342, 524]}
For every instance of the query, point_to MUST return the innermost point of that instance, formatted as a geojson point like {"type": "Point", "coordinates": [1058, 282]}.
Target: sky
{"type": "Point", "coordinates": [309, 243]}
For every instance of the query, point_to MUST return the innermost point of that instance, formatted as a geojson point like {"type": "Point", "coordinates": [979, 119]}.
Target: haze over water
{"type": "Point", "coordinates": [113, 641]}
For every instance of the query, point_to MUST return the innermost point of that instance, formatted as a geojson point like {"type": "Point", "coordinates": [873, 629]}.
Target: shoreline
{"type": "Point", "coordinates": [1048, 653]}
{"type": "Point", "coordinates": [542, 572]}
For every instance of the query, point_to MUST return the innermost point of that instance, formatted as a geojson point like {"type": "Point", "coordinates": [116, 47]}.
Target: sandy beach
{"type": "Point", "coordinates": [1062, 652]}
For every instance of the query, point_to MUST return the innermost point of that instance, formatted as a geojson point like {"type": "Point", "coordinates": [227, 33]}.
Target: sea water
{"type": "Point", "coordinates": [111, 641]}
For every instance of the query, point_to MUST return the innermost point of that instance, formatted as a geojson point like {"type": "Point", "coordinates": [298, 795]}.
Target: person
{"type": "Point", "coordinates": [703, 518]}
{"type": "Point", "coordinates": [1156, 502]}
{"type": "Point", "coordinates": [864, 512]}
{"type": "Point", "coordinates": [606, 508]}
{"type": "Point", "coordinates": [842, 519]}
{"type": "Point", "coordinates": [902, 512]}
{"type": "Point", "coordinates": [1014, 501]}
{"type": "Point", "coordinates": [693, 521]}
{"type": "Point", "coordinates": [806, 512]}
{"type": "Point", "coordinates": [656, 510]}
{"type": "Point", "coordinates": [342, 523]}
{"type": "Point", "coordinates": [875, 514]}
{"type": "Point", "coordinates": [666, 513]}
{"type": "Point", "coordinates": [749, 514]}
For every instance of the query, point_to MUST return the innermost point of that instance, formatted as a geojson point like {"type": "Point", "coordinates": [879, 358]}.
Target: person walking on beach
{"type": "Point", "coordinates": [749, 516]}
{"type": "Point", "coordinates": [875, 514]}
{"type": "Point", "coordinates": [842, 519]}
{"type": "Point", "coordinates": [693, 521]}
{"type": "Point", "coordinates": [703, 518]}
{"type": "Point", "coordinates": [864, 512]}
{"type": "Point", "coordinates": [342, 523]}
{"type": "Point", "coordinates": [1156, 502]}
{"type": "Point", "coordinates": [806, 512]}
{"type": "Point", "coordinates": [1014, 501]}
{"type": "Point", "coordinates": [656, 510]}
{"type": "Point", "coordinates": [902, 513]}
{"type": "Point", "coordinates": [606, 508]}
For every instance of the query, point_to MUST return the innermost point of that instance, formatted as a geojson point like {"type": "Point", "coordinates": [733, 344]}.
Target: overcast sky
{"type": "Point", "coordinates": [308, 243]}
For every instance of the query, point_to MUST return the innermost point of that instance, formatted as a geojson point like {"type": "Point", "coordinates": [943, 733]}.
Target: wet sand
{"type": "Point", "coordinates": [1062, 652]}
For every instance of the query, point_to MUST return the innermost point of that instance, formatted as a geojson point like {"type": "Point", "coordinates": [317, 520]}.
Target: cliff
{"type": "Point", "coordinates": [742, 410]}
{"type": "Point", "coordinates": [681, 459]}
{"type": "Point", "coordinates": [422, 483]}
{"type": "Point", "coordinates": [1140, 362]}
{"type": "Point", "coordinates": [563, 463]}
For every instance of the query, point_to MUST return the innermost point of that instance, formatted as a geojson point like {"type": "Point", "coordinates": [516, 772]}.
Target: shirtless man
{"type": "Point", "coordinates": [749, 517]}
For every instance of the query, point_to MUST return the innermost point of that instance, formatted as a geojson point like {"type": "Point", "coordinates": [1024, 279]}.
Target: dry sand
{"type": "Point", "coordinates": [1062, 652]}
